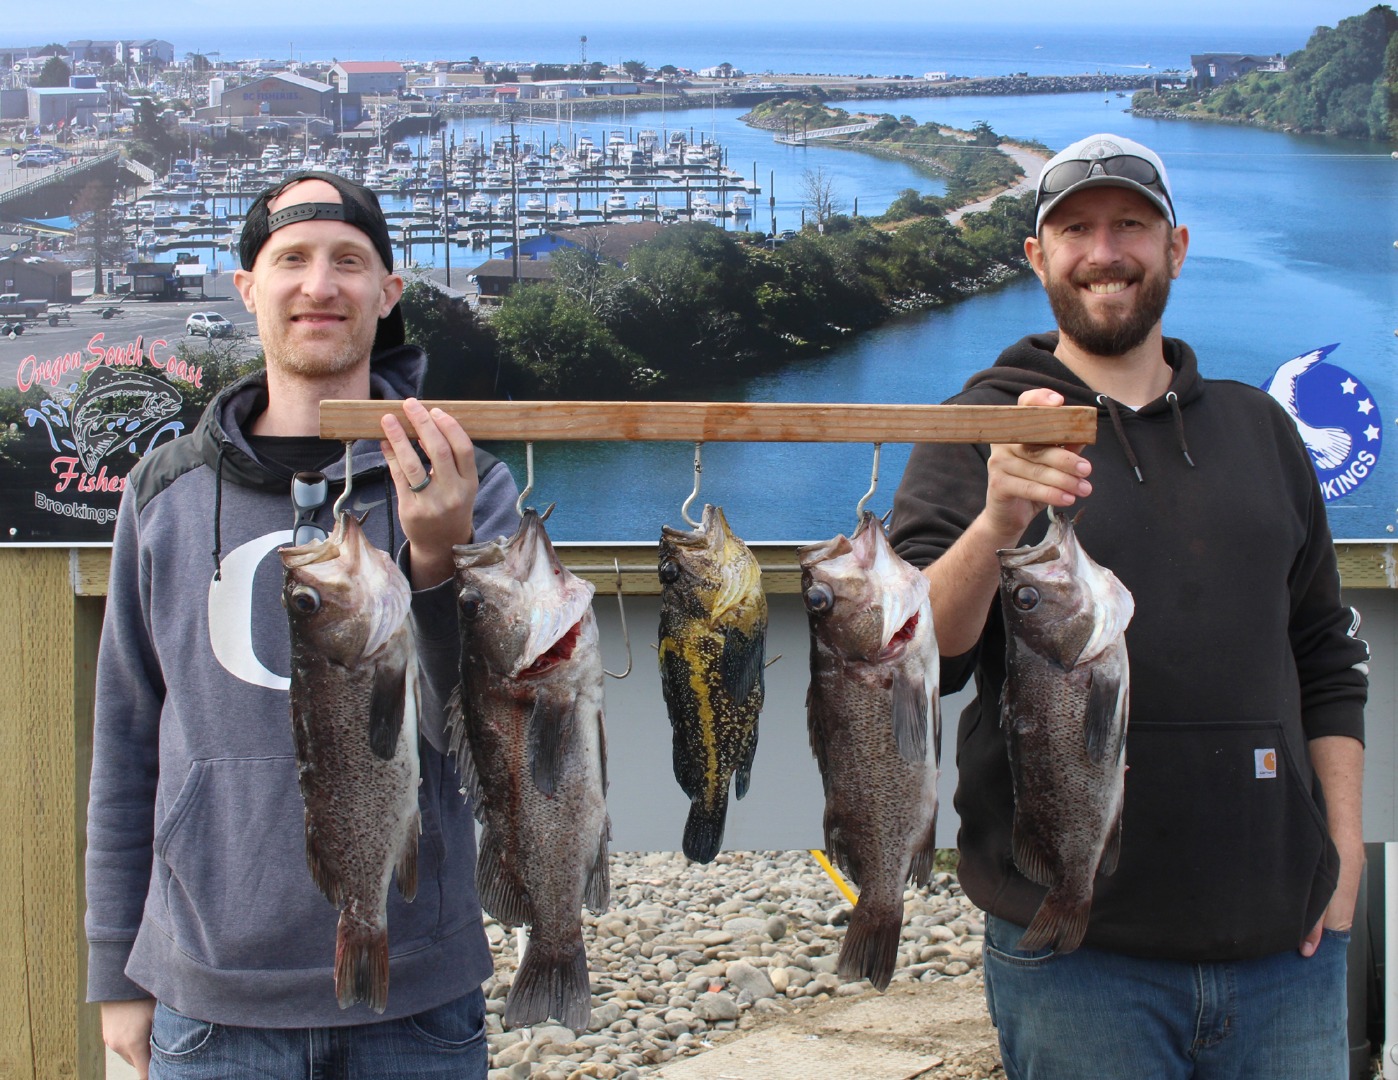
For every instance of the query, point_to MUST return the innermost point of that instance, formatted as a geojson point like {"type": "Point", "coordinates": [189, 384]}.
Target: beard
{"type": "Point", "coordinates": [320, 359]}
{"type": "Point", "coordinates": [1110, 333]}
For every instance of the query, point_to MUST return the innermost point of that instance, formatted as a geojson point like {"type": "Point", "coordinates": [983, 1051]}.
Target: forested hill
{"type": "Point", "coordinates": [1344, 82]}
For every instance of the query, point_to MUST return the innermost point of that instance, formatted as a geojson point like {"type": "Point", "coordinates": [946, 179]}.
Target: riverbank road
{"type": "Point", "coordinates": [1031, 161]}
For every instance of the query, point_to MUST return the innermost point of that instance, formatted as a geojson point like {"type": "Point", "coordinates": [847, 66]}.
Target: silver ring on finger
{"type": "Point", "coordinates": [421, 485]}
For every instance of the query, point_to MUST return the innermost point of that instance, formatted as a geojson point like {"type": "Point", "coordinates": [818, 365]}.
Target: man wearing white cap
{"type": "Point", "coordinates": [1216, 946]}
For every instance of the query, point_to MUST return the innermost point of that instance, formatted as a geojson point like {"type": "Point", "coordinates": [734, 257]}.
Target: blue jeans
{"type": "Point", "coordinates": [445, 1043]}
{"type": "Point", "coordinates": [1095, 1015]}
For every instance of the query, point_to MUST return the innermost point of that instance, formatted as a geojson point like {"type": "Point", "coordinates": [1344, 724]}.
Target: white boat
{"type": "Point", "coordinates": [562, 208]}
{"type": "Point", "coordinates": [422, 204]}
{"type": "Point", "coordinates": [705, 213]}
{"type": "Point", "coordinates": [534, 205]}
{"type": "Point", "coordinates": [616, 201]}
{"type": "Point", "coordinates": [738, 206]}
{"type": "Point", "coordinates": [505, 206]}
{"type": "Point", "coordinates": [477, 206]}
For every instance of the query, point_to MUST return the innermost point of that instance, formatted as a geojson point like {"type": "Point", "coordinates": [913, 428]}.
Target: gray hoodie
{"type": "Point", "coordinates": [198, 891]}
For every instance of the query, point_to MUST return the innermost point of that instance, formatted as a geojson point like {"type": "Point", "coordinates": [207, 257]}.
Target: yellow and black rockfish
{"type": "Point", "coordinates": [1064, 714]}
{"type": "Point", "coordinates": [354, 712]}
{"type": "Point", "coordinates": [874, 717]}
{"type": "Point", "coordinates": [527, 730]}
{"type": "Point", "coordinates": [713, 634]}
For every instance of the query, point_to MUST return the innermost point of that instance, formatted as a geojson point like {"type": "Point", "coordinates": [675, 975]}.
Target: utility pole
{"type": "Point", "coordinates": [514, 198]}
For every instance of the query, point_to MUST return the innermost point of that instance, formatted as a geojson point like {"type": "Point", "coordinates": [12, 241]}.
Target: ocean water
{"type": "Point", "coordinates": [847, 48]}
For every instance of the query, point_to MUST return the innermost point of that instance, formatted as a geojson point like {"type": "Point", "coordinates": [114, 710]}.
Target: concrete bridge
{"type": "Point", "coordinates": [52, 193]}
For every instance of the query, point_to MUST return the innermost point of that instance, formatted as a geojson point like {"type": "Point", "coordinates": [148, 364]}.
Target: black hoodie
{"type": "Point", "coordinates": [1206, 506]}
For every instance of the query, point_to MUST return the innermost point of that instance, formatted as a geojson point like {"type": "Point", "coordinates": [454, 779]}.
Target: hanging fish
{"type": "Point", "coordinates": [875, 724]}
{"type": "Point", "coordinates": [527, 731]}
{"type": "Point", "coordinates": [354, 712]}
{"type": "Point", "coordinates": [713, 631]}
{"type": "Point", "coordinates": [1064, 713]}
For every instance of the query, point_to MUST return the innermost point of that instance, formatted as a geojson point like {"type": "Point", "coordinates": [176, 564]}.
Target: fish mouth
{"type": "Point", "coordinates": [560, 651]}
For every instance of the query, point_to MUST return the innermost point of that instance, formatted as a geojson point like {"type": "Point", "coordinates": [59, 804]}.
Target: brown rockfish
{"type": "Point", "coordinates": [713, 633]}
{"type": "Point", "coordinates": [1064, 714]}
{"type": "Point", "coordinates": [875, 724]}
{"type": "Point", "coordinates": [527, 730]}
{"type": "Point", "coordinates": [354, 714]}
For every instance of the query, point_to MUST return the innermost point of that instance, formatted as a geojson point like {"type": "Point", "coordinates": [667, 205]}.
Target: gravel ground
{"type": "Point", "coordinates": [689, 955]}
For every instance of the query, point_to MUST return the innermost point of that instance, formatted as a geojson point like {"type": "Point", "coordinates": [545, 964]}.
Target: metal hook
{"type": "Point", "coordinates": [698, 469]}
{"type": "Point", "coordinates": [528, 478]}
{"type": "Point", "coordinates": [621, 610]}
{"type": "Point", "coordinates": [349, 479]}
{"type": "Point", "coordinates": [873, 483]}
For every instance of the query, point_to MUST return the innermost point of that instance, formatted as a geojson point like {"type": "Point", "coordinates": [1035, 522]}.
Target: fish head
{"type": "Point", "coordinates": [1058, 602]}
{"type": "Point", "coordinates": [709, 573]}
{"type": "Point", "coordinates": [519, 605]}
{"type": "Point", "coordinates": [345, 598]}
{"type": "Point", "coordinates": [864, 601]}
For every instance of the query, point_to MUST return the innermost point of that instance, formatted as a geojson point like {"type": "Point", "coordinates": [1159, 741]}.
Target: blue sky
{"type": "Point", "coordinates": [25, 23]}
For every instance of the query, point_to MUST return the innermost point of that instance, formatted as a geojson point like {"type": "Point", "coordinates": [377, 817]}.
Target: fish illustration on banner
{"type": "Point", "coordinates": [1337, 416]}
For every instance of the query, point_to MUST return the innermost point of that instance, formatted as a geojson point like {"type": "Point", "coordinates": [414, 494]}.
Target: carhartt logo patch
{"type": "Point", "coordinates": [1264, 764]}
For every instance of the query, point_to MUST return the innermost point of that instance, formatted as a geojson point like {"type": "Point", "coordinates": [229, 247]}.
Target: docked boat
{"type": "Point", "coordinates": [616, 201]}
{"type": "Point", "coordinates": [562, 208]}
{"type": "Point", "coordinates": [422, 204]}
{"type": "Point", "coordinates": [738, 206]}
{"type": "Point", "coordinates": [505, 206]}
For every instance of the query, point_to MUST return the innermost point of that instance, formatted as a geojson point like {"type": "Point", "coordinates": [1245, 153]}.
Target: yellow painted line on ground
{"type": "Point", "coordinates": [839, 881]}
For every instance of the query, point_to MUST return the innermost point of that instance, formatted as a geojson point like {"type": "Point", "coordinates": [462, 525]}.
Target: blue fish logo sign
{"type": "Point", "coordinates": [1336, 415]}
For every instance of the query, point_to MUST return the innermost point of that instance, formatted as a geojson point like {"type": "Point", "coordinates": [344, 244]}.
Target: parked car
{"type": "Point", "coordinates": [209, 323]}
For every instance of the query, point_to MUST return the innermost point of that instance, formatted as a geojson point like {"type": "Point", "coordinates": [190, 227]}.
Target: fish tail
{"type": "Point", "coordinates": [870, 949]}
{"type": "Point", "coordinates": [1060, 922]}
{"type": "Point", "coordinates": [361, 963]}
{"type": "Point", "coordinates": [551, 982]}
{"type": "Point", "coordinates": [703, 829]}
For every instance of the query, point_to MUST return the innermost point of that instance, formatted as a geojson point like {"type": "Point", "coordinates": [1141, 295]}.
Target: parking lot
{"type": "Point", "coordinates": [86, 334]}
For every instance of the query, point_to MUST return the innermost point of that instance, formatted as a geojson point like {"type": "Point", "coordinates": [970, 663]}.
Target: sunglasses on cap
{"type": "Point", "coordinates": [1122, 166]}
{"type": "Point", "coordinates": [309, 492]}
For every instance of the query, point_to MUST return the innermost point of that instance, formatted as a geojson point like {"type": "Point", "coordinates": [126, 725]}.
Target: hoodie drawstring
{"type": "Point", "coordinates": [1115, 414]}
{"type": "Point", "coordinates": [388, 500]}
{"type": "Point", "coordinates": [218, 509]}
{"type": "Point", "coordinates": [1174, 400]}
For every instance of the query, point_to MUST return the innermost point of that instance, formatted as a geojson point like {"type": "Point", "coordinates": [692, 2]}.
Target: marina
{"type": "Point", "coordinates": [479, 192]}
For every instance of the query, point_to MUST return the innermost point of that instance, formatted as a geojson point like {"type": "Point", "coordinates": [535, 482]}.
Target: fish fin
{"type": "Point", "coordinates": [551, 982]}
{"type": "Point", "coordinates": [325, 871]}
{"type": "Point", "coordinates": [500, 892]}
{"type": "Point", "coordinates": [910, 716]}
{"type": "Point", "coordinates": [597, 893]}
{"type": "Point", "coordinates": [549, 731]}
{"type": "Point", "coordinates": [741, 664]}
{"type": "Point", "coordinates": [602, 755]}
{"type": "Point", "coordinates": [361, 963]}
{"type": "Point", "coordinates": [742, 775]}
{"type": "Point", "coordinates": [1033, 860]}
{"type": "Point", "coordinates": [1060, 923]}
{"type": "Point", "coordinates": [407, 860]}
{"type": "Point", "coordinates": [870, 948]}
{"type": "Point", "coordinates": [836, 850]}
{"type": "Point", "coordinates": [457, 741]}
{"type": "Point", "coordinates": [703, 829]}
{"type": "Point", "coordinates": [1100, 724]}
{"type": "Point", "coordinates": [925, 855]}
{"type": "Point", "coordinates": [387, 700]}
{"type": "Point", "coordinates": [1111, 850]}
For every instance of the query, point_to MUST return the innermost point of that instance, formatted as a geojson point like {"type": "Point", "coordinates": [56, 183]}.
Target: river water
{"type": "Point", "coordinates": [1292, 248]}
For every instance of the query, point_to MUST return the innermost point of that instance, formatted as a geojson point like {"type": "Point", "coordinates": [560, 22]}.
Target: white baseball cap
{"type": "Point", "coordinates": [1103, 161]}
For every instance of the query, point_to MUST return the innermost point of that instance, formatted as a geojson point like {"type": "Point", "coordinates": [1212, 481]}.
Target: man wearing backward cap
{"type": "Point", "coordinates": [211, 950]}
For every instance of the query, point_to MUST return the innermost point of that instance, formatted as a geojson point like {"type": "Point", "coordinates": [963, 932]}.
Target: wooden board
{"type": "Point", "coordinates": [729, 421]}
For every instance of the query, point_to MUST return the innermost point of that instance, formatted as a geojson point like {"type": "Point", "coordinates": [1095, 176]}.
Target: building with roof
{"type": "Point", "coordinates": [279, 95]}
{"type": "Point", "coordinates": [50, 105]}
{"type": "Point", "coordinates": [369, 77]}
{"type": "Point", "coordinates": [36, 278]}
{"type": "Point", "coordinates": [1209, 70]}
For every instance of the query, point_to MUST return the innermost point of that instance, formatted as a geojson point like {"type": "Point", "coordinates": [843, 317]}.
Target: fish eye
{"type": "Point", "coordinates": [470, 601]}
{"type": "Point", "coordinates": [669, 572]}
{"type": "Point", "coordinates": [304, 599]}
{"type": "Point", "coordinates": [1026, 598]}
{"type": "Point", "coordinates": [820, 598]}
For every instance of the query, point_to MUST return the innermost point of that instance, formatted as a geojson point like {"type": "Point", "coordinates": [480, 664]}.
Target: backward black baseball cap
{"type": "Point", "coordinates": [358, 206]}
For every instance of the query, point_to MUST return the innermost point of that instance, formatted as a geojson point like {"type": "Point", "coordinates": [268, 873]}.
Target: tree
{"type": "Point", "coordinates": [636, 69]}
{"type": "Point", "coordinates": [100, 230]}
{"type": "Point", "coordinates": [55, 73]}
{"type": "Point", "coordinates": [561, 348]}
{"type": "Point", "coordinates": [198, 62]}
{"type": "Point", "coordinates": [461, 353]}
{"type": "Point", "coordinates": [819, 195]}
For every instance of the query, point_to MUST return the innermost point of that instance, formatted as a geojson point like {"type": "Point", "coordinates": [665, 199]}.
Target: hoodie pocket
{"type": "Point", "coordinates": [237, 892]}
{"type": "Point", "coordinates": [1224, 840]}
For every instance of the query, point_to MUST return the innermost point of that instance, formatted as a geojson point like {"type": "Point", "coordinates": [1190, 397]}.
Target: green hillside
{"type": "Point", "coordinates": [1344, 82]}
